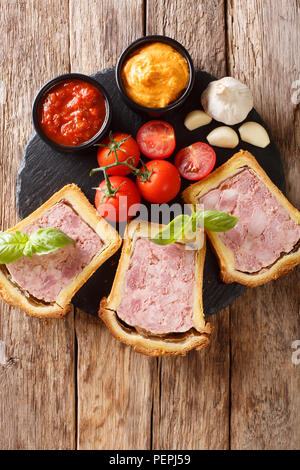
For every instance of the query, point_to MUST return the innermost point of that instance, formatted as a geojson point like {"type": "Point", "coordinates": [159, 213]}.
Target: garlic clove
{"type": "Point", "coordinates": [195, 119]}
{"type": "Point", "coordinates": [227, 100]}
{"type": "Point", "coordinates": [255, 134]}
{"type": "Point", "coordinates": [223, 136]}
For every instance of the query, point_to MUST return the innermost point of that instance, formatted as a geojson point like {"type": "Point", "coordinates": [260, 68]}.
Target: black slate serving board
{"type": "Point", "coordinates": [44, 171]}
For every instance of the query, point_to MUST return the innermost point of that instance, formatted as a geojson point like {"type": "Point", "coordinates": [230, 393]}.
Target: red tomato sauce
{"type": "Point", "coordinates": [72, 112]}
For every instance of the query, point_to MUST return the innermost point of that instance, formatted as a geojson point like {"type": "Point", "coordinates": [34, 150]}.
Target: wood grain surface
{"type": "Point", "coordinates": [265, 384]}
{"type": "Point", "coordinates": [37, 406]}
{"type": "Point", "coordinates": [68, 384]}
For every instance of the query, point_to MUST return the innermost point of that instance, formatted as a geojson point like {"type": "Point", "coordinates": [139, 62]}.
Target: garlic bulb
{"type": "Point", "coordinates": [227, 100]}
{"type": "Point", "coordinates": [223, 137]}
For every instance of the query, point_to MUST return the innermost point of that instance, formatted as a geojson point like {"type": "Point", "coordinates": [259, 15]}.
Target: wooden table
{"type": "Point", "coordinates": [68, 384]}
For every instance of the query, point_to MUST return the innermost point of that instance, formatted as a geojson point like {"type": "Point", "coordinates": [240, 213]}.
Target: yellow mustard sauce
{"type": "Point", "coordinates": [156, 75]}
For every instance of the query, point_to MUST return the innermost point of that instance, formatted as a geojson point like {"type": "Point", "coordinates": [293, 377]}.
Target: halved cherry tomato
{"type": "Point", "coordinates": [164, 183]}
{"type": "Point", "coordinates": [156, 139]}
{"type": "Point", "coordinates": [195, 161]}
{"type": "Point", "coordinates": [125, 202]}
{"type": "Point", "coordinates": [124, 148]}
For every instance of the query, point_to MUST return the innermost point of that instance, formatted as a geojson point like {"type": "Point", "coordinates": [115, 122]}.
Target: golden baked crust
{"type": "Point", "coordinates": [226, 261]}
{"type": "Point", "coordinates": [152, 345]}
{"type": "Point", "coordinates": [72, 195]}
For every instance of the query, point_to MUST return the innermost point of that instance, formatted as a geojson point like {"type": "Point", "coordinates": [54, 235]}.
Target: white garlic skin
{"type": "Point", "coordinates": [195, 119]}
{"type": "Point", "coordinates": [224, 137]}
{"type": "Point", "coordinates": [255, 134]}
{"type": "Point", "coordinates": [227, 100]}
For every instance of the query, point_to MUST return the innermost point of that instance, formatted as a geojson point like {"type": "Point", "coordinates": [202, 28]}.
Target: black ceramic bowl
{"type": "Point", "coordinates": [138, 43]}
{"type": "Point", "coordinates": [36, 112]}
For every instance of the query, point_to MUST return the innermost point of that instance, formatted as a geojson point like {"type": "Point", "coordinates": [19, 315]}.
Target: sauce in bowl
{"type": "Point", "coordinates": [155, 75]}
{"type": "Point", "coordinates": [72, 112]}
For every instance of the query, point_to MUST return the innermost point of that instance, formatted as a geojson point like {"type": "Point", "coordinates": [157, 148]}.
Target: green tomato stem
{"type": "Point", "coordinates": [143, 174]}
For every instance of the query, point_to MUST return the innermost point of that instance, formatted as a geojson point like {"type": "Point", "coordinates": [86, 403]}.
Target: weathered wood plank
{"type": "Point", "coordinates": [191, 400]}
{"type": "Point", "coordinates": [37, 408]}
{"type": "Point", "coordinates": [114, 383]}
{"type": "Point", "coordinates": [100, 30]}
{"type": "Point", "coordinates": [264, 37]}
{"type": "Point", "coordinates": [114, 390]}
{"type": "Point", "coordinates": [199, 26]}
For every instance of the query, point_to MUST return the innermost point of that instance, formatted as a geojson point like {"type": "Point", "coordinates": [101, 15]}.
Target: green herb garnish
{"type": "Point", "coordinates": [14, 245]}
{"type": "Point", "coordinates": [180, 227]}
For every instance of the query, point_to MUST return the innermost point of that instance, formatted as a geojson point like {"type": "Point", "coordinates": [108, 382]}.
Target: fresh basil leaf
{"type": "Point", "coordinates": [216, 221]}
{"type": "Point", "coordinates": [12, 245]}
{"type": "Point", "coordinates": [28, 250]}
{"type": "Point", "coordinates": [46, 240]}
{"type": "Point", "coordinates": [178, 228]}
{"type": "Point", "coordinates": [174, 231]}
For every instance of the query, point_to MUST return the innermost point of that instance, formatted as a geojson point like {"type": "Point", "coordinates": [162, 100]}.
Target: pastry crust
{"type": "Point", "coordinates": [15, 296]}
{"type": "Point", "coordinates": [144, 342]}
{"type": "Point", "coordinates": [229, 274]}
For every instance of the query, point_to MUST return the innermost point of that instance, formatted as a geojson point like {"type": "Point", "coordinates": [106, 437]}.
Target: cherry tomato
{"type": "Point", "coordinates": [164, 183]}
{"type": "Point", "coordinates": [156, 139]}
{"type": "Point", "coordinates": [123, 205]}
{"type": "Point", "coordinates": [195, 161]}
{"type": "Point", "coordinates": [124, 148]}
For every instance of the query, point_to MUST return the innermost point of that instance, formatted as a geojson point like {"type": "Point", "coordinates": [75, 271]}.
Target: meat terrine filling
{"type": "Point", "coordinates": [45, 276]}
{"type": "Point", "coordinates": [264, 232]}
{"type": "Point", "coordinates": [157, 294]}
